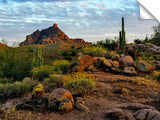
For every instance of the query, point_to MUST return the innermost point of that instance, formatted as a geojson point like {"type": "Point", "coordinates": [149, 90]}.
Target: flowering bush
{"type": "Point", "coordinates": [61, 65]}
{"type": "Point", "coordinates": [41, 72]}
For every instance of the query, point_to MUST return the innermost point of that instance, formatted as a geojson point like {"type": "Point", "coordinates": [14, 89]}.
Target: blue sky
{"type": "Point", "coordinates": [92, 20]}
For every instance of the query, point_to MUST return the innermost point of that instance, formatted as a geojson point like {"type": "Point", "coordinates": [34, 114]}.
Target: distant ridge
{"type": "Point", "coordinates": [52, 35]}
{"type": "Point", "coordinates": [3, 46]}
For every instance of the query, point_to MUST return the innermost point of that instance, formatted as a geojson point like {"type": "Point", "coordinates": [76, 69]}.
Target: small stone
{"type": "Point", "coordinates": [81, 107]}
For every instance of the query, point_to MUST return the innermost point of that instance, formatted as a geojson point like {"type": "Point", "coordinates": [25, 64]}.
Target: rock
{"type": "Point", "coordinates": [152, 114]}
{"type": "Point", "coordinates": [143, 66]}
{"type": "Point", "coordinates": [116, 70]}
{"type": "Point", "coordinates": [80, 55]}
{"type": "Point", "coordinates": [38, 91]}
{"type": "Point", "coordinates": [91, 68]}
{"type": "Point", "coordinates": [122, 55]}
{"type": "Point", "coordinates": [65, 105]}
{"type": "Point", "coordinates": [146, 114]}
{"type": "Point", "coordinates": [81, 107]}
{"type": "Point", "coordinates": [156, 118]}
{"type": "Point", "coordinates": [84, 62]}
{"type": "Point", "coordinates": [61, 99]}
{"type": "Point", "coordinates": [114, 114]}
{"type": "Point", "coordinates": [109, 54]}
{"type": "Point", "coordinates": [98, 61]}
{"type": "Point", "coordinates": [107, 63]}
{"type": "Point", "coordinates": [125, 61]}
{"type": "Point", "coordinates": [141, 115]}
{"type": "Point", "coordinates": [115, 64]}
{"type": "Point", "coordinates": [115, 57]}
{"type": "Point", "coordinates": [131, 52]}
{"type": "Point", "coordinates": [130, 70]}
{"type": "Point", "coordinates": [136, 106]}
{"type": "Point", "coordinates": [51, 35]}
{"type": "Point", "coordinates": [7, 106]}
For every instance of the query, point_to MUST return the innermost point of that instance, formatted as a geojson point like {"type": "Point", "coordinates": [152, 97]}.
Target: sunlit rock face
{"type": "Point", "coordinates": [51, 35]}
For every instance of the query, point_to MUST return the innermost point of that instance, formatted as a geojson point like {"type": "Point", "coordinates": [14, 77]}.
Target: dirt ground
{"type": "Point", "coordinates": [111, 91]}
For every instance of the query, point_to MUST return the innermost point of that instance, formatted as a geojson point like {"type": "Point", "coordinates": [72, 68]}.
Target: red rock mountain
{"type": "Point", "coordinates": [3, 46]}
{"type": "Point", "coordinates": [51, 35]}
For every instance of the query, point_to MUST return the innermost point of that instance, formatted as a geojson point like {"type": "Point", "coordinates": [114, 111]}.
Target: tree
{"type": "Point", "coordinates": [137, 41]}
{"type": "Point", "coordinates": [156, 30]}
{"type": "Point", "coordinates": [156, 36]}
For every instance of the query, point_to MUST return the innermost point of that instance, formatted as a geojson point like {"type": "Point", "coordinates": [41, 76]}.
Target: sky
{"type": "Point", "coordinates": [92, 20]}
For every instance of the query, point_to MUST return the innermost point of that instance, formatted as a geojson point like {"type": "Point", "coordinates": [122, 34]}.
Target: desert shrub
{"type": "Point", "coordinates": [61, 65]}
{"type": "Point", "coordinates": [148, 56]}
{"type": "Point", "coordinates": [107, 43]}
{"type": "Point", "coordinates": [138, 41]}
{"type": "Point", "coordinates": [52, 82]}
{"type": "Point", "coordinates": [158, 77]}
{"type": "Point", "coordinates": [110, 54]}
{"type": "Point", "coordinates": [70, 53]}
{"type": "Point", "coordinates": [94, 50]}
{"type": "Point", "coordinates": [41, 72]}
{"type": "Point", "coordinates": [157, 57]}
{"type": "Point", "coordinates": [16, 89]}
{"type": "Point", "coordinates": [78, 76]}
{"type": "Point", "coordinates": [152, 76]}
{"type": "Point", "coordinates": [80, 87]}
{"type": "Point", "coordinates": [5, 80]}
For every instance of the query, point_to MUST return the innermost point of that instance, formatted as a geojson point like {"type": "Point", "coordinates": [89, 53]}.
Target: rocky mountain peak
{"type": "Point", "coordinates": [51, 35]}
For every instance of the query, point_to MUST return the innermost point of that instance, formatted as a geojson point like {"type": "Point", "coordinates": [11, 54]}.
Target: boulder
{"type": "Point", "coordinates": [107, 63]}
{"type": "Point", "coordinates": [131, 52]}
{"type": "Point", "coordinates": [98, 61]}
{"type": "Point", "coordinates": [81, 107]}
{"type": "Point", "coordinates": [125, 61]}
{"type": "Point", "coordinates": [114, 113]}
{"type": "Point", "coordinates": [129, 70]}
{"type": "Point", "coordinates": [38, 91]}
{"type": "Point", "coordinates": [144, 66]}
{"type": "Point", "coordinates": [61, 99]}
{"type": "Point", "coordinates": [91, 68]}
{"type": "Point", "coordinates": [115, 57]}
{"type": "Point", "coordinates": [147, 114]}
{"type": "Point", "coordinates": [115, 64]}
{"type": "Point", "coordinates": [84, 62]}
{"type": "Point", "coordinates": [109, 54]}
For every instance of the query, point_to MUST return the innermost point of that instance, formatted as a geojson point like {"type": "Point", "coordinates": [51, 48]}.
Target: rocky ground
{"type": "Point", "coordinates": [115, 97]}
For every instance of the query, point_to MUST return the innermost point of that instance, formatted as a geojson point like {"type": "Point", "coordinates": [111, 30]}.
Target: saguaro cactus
{"type": "Point", "coordinates": [122, 37]}
{"type": "Point", "coordinates": [38, 56]}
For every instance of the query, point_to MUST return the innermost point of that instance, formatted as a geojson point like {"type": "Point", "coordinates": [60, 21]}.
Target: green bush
{"type": "Point", "coordinates": [61, 65]}
{"type": "Point", "coordinates": [52, 82]}
{"type": "Point", "coordinates": [96, 51]}
{"type": "Point", "coordinates": [5, 80]}
{"type": "Point", "coordinates": [107, 43]}
{"type": "Point", "coordinates": [16, 89]}
{"type": "Point", "coordinates": [81, 87]}
{"type": "Point", "coordinates": [41, 72]}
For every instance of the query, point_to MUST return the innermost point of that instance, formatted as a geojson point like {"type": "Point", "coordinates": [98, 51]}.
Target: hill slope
{"type": "Point", "coordinates": [2, 46]}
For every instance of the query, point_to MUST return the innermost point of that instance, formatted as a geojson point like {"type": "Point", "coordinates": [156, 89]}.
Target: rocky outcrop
{"type": "Point", "coordinates": [84, 62]}
{"type": "Point", "coordinates": [144, 47]}
{"type": "Point", "coordinates": [3, 46]}
{"type": "Point", "coordinates": [51, 35]}
{"type": "Point", "coordinates": [129, 70]}
{"type": "Point", "coordinates": [61, 100]}
{"type": "Point", "coordinates": [125, 61]}
{"type": "Point", "coordinates": [143, 66]}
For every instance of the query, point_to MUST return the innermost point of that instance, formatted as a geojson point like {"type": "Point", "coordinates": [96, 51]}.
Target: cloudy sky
{"type": "Point", "coordinates": [91, 20]}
